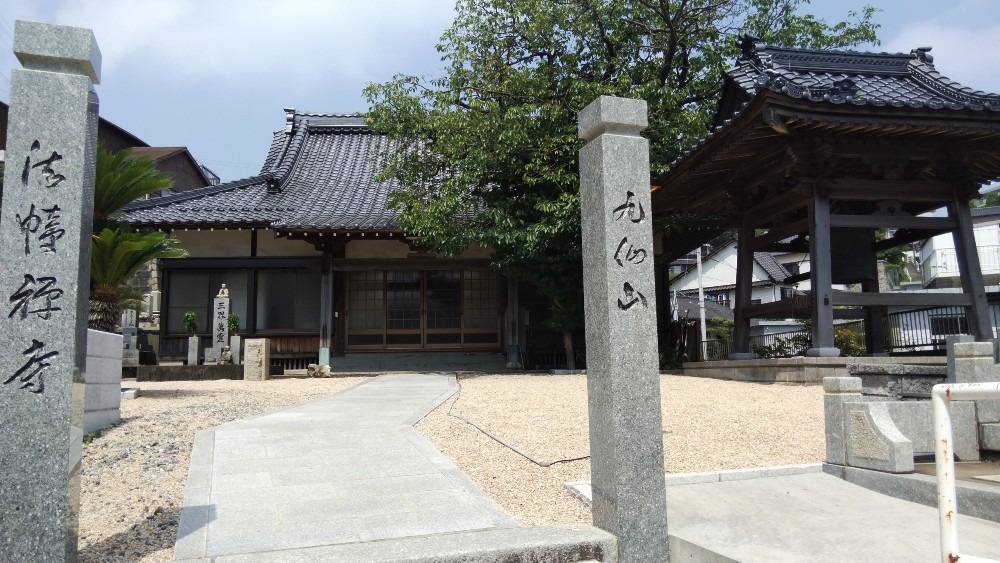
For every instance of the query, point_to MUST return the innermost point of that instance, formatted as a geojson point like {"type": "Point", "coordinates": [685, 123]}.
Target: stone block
{"type": "Point", "coordinates": [915, 421]}
{"type": "Point", "coordinates": [975, 369]}
{"type": "Point", "coordinates": [612, 115]}
{"type": "Point", "coordinates": [838, 391]}
{"type": "Point", "coordinates": [873, 441]}
{"type": "Point", "coordinates": [236, 347]}
{"type": "Point", "coordinates": [102, 344]}
{"type": "Point", "coordinates": [988, 411]}
{"type": "Point", "coordinates": [130, 393]}
{"type": "Point", "coordinates": [823, 352]}
{"type": "Point", "coordinates": [194, 353]}
{"type": "Point", "coordinates": [836, 385]}
{"type": "Point", "coordinates": [64, 49]}
{"type": "Point", "coordinates": [989, 436]}
{"type": "Point", "coordinates": [257, 359]}
{"type": "Point", "coordinates": [212, 356]}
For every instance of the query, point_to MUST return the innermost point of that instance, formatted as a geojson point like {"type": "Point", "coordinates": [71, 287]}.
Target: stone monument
{"type": "Point", "coordinates": [220, 323]}
{"type": "Point", "coordinates": [257, 360]}
{"type": "Point", "coordinates": [130, 348]}
{"type": "Point", "coordinates": [46, 221]}
{"type": "Point", "coordinates": [623, 385]}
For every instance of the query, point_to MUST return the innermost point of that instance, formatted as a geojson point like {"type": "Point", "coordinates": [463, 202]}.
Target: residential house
{"type": "Point", "coordinates": [187, 172]}
{"type": "Point", "coordinates": [938, 260]}
{"type": "Point", "coordinates": [719, 277]}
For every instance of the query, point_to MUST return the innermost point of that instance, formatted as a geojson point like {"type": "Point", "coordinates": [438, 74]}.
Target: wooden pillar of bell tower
{"type": "Point", "coordinates": [969, 269]}
{"type": "Point", "coordinates": [821, 276]}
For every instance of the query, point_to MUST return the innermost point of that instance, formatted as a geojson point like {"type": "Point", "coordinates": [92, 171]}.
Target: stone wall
{"type": "Point", "coordinates": [187, 373]}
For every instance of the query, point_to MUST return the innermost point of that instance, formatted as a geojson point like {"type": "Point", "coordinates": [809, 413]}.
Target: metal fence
{"type": "Point", "coordinates": [922, 330]}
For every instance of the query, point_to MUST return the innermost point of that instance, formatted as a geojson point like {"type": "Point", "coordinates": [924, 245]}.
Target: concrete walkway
{"type": "Point", "coordinates": [805, 517]}
{"type": "Point", "coordinates": [339, 470]}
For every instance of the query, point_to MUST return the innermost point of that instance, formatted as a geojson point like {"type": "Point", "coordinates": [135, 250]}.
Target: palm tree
{"type": "Point", "coordinates": [115, 256]}
{"type": "Point", "coordinates": [121, 178]}
{"type": "Point", "coordinates": [116, 253]}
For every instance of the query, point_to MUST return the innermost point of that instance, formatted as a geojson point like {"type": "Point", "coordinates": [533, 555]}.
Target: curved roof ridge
{"type": "Point", "coordinates": [923, 71]}
{"type": "Point", "coordinates": [195, 193]}
{"type": "Point", "coordinates": [281, 170]}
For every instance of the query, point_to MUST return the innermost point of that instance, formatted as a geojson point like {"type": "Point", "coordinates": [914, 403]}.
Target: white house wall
{"type": "Point", "coordinates": [376, 249]}
{"type": "Point", "coordinates": [719, 269]}
{"type": "Point", "coordinates": [267, 245]}
{"type": "Point", "coordinates": [215, 244]}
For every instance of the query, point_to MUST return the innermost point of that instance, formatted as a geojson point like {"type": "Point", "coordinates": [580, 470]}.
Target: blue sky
{"type": "Point", "coordinates": [214, 75]}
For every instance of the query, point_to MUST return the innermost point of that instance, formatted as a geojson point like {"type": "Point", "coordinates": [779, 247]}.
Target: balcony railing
{"type": "Point", "coordinates": [943, 263]}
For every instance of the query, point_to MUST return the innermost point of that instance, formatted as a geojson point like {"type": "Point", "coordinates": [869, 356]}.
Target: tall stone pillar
{"type": "Point", "coordinates": [46, 223]}
{"type": "Point", "coordinates": [626, 434]}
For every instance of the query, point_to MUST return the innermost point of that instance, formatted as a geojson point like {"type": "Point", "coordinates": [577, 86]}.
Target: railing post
{"type": "Point", "coordinates": [944, 463]}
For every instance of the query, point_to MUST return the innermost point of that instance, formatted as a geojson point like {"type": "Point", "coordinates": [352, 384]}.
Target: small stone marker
{"type": "Point", "coordinates": [257, 360]}
{"type": "Point", "coordinates": [220, 320]}
{"type": "Point", "coordinates": [130, 348]}
{"type": "Point", "coordinates": [194, 343]}
{"type": "Point", "coordinates": [626, 447]}
{"type": "Point", "coordinates": [46, 223]}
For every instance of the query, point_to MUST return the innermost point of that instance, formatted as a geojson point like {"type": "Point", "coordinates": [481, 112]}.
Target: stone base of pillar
{"type": "Point", "coordinates": [514, 357]}
{"type": "Point", "coordinates": [823, 352]}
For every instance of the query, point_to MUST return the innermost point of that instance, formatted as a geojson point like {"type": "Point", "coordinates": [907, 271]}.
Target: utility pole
{"type": "Point", "coordinates": [701, 307]}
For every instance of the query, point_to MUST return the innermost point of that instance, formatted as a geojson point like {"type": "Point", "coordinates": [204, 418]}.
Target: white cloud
{"type": "Point", "coordinates": [964, 53]}
{"type": "Point", "coordinates": [198, 41]}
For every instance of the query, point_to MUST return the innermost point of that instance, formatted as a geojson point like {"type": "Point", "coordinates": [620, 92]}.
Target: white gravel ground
{"type": "Point", "coordinates": [708, 425]}
{"type": "Point", "coordinates": [134, 474]}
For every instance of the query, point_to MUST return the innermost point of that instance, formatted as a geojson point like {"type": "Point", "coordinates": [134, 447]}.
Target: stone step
{"type": "Point", "coordinates": [572, 543]}
{"type": "Point", "coordinates": [990, 436]}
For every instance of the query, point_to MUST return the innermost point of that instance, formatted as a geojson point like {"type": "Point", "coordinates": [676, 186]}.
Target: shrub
{"type": "Point", "coordinates": [190, 320]}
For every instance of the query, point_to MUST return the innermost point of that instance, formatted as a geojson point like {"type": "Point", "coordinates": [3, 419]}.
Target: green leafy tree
{"type": "Point", "coordinates": [991, 199]}
{"type": "Point", "coordinates": [894, 258]}
{"type": "Point", "coordinates": [488, 152]}
{"type": "Point", "coordinates": [117, 253]}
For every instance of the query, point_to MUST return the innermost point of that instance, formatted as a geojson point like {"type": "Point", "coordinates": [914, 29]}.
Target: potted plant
{"type": "Point", "coordinates": [190, 321]}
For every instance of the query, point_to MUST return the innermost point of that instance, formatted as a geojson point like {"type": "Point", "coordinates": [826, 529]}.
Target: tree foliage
{"type": "Point", "coordinates": [488, 151]}
{"type": "Point", "coordinates": [117, 253]}
{"type": "Point", "coordinates": [121, 178]}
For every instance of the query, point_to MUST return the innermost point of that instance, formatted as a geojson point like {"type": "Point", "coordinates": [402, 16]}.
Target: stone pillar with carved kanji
{"type": "Point", "coordinates": [623, 385]}
{"type": "Point", "coordinates": [46, 225]}
{"type": "Point", "coordinates": [220, 320]}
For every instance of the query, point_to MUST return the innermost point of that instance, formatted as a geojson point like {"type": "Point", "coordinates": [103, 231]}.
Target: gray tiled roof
{"type": "Point", "coordinates": [319, 174]}
{"type": "Point", "coordinates": [851, 77]}
{"type": "Point", "coordinates": [775, 271]}
{"type": "Point", "coordinates": [883, 80]}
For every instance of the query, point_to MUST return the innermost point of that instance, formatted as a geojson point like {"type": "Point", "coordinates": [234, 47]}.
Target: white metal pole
{"type": "Point", "coordinates": [944, 464]}
{"type": "Point", "coordinates": [701, 307]}
{"type": "Point", "coordinates": [945, 469]}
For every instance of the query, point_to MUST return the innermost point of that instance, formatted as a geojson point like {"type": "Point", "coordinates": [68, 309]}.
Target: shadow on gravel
{"type": "Point", "coordinates": [170, 393]}
{"type": "Point", "coordinates": [155, 532]}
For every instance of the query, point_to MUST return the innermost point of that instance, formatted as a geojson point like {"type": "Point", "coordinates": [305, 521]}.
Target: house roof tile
{"type": "Point", "coordinates": [319, 174]}
{"type": "Point", "coordinates": [894, 80]}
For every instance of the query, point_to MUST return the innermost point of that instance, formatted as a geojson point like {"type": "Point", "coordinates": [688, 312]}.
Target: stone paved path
{"type": "Point", "coordinates": [343, 469]}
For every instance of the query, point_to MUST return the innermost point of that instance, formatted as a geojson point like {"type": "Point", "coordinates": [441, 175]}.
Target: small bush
{"type": "Point", "coordinates": [190, 320]}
